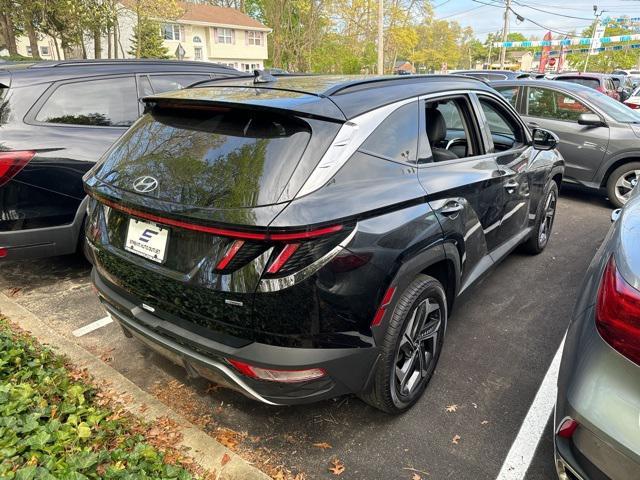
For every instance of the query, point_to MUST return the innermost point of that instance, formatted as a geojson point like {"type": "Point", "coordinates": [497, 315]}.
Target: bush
{"type": "Point", "coordinates": [52, 424]}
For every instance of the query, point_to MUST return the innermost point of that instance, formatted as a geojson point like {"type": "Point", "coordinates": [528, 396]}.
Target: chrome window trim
{"type": "Point", "coordinates": [352, 135]}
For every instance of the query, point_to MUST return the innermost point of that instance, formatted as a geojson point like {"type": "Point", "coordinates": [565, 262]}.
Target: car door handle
{"type": "Point", "coordinates": [451, 208]}
{"type": "Point", "coordinates": [511, 186]}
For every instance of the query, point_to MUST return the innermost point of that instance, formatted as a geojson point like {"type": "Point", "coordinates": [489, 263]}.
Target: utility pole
{"type": "Point", "coordinates": [593, 35]}
{"type": "Point", "coordinates": [505, 32]}
{"type": "Point", "coordinates": [380, 37]}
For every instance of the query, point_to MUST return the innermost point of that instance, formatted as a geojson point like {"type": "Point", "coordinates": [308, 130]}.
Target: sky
{"type": "Point", "coordinates": [488, 18]}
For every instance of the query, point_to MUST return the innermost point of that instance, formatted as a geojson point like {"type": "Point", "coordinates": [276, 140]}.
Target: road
{"type": "Point", "coordinates": [500, 342]}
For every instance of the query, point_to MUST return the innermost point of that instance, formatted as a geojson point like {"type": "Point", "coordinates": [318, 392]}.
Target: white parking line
{"type": "Point", "coordinates": [92, 326]}
{"type": "Point", "coordinates": [519, 458]}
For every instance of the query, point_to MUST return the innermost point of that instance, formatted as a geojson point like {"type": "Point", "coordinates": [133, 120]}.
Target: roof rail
{"type": "Point", "coordinates": [126, 61]}
{"type": "Point", "coordinates": [401, 79]}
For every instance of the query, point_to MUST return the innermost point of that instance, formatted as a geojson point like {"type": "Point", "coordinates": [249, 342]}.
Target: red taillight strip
{"type": "Point", "coordinates": [188, 226]}
{"type": "Point", "coordinates": [231, 252]}
{"type": "Point", "coordinates": [386, 300]}
{"type": "Point", "coordinates": [12, 162]}
{"type": "Point", "coordinates": [305, 235]}
{"type": "Point", "coordinates": [308, 234]}
{"type": "Point", "coordinates": [4, 252]}
{"type": "Point", "coordinates": [282, 258]}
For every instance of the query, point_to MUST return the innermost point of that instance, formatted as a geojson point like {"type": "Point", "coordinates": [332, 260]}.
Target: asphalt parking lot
{"type": "Point", "coordinates": [500, 342]}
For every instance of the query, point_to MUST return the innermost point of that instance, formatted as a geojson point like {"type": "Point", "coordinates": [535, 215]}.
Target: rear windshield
{"type": "Point", "coordinates": [587, 82]}
{"type": "Point", "coordinates": [219, 158]}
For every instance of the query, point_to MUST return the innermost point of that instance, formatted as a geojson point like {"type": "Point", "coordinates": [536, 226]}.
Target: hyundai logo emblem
{"type": "Point", "coordinates": [145, 184]}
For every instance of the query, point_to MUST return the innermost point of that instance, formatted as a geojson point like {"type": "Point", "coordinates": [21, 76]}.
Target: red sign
{"type": "Point", "coordinates": [552, 61]}
{"type": "Point", "coordinates": [545, 54]}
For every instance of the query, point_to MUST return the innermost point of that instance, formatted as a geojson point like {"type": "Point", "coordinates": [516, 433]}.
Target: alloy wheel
{"type": "Point", "coordinates": [417, 350]}
{"type": "Point", "coordinates": [549, 213]}
{"type": "Point", "coordinates": [625, 184]}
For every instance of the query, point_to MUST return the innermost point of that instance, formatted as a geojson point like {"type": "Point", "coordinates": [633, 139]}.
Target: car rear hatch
{"type": "Point", "coordinates": [182, 204]}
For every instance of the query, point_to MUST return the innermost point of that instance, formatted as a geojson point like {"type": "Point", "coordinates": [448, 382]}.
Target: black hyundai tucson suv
{"type": "Point", "coordinates": [304, 238]}
{"type": "Point", "coordinates": [56, 121]}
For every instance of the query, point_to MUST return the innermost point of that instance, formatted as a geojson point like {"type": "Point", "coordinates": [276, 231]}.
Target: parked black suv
{"type": "Point", "coordinates": [56, 120]}
{"type": "Point", "coordinates": [307, 237]}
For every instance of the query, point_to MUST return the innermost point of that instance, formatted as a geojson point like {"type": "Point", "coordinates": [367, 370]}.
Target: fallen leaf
{"type": "Point", "coordinates": [323, 445]}
{"type": "Point", "coordinates": [280, 475]}
{"type": "Point", "coordinates": [416, 477]}
{"type": "Point", "coordinates": [337, 467]}
{"type": "Point", "coordinates": [456, 439]}
{"type": "Point", "coordinates": [225, 459]}
{"type": "Point", "coordinates": [452, 408]}
{"type": "Point", "coordinates": [484, 422]}
{"type": "Point", "coordinates": [475, 405]}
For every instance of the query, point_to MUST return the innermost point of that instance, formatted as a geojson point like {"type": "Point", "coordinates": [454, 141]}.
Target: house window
{"type": "Point", "coordinates": [225, 35]}
{"type": "Point", "coordinates": [171, 31]}
{"type": "Point", "coordinates": [197, 39]}
{"type": "Point", "coordinates": [254, 38]}
{"type": "Point", "coordinates": [246, 67]}
{"type": "Point", "coordinates": [44, 51]}
{"type": "Point", "coordinates": [197, 53]}
{"type": "Point", "coordinates": [28, 50]}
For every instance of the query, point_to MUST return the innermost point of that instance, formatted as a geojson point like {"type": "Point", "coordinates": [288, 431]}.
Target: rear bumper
{"type": "Point", "coordinates": [44, 242]}
{"type": "Point", "coordinates": [348, 369]}
{"type": "Point", "coordinates": [600, 389]}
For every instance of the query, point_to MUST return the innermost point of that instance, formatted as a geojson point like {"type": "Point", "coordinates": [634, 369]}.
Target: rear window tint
{"type": "Point", "coordinates": [110, 102]}
{"type": "Point", "coordinates": [587, 82]}
{"type": "Point", "coordinates": [225, 158]}
{"type": "Point", "coordinates": [397, 136]}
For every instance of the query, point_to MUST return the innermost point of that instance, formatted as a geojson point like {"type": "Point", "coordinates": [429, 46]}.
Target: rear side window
{"type": "Point", "coordinates": [546, 103]}
{"type": "Point", "coordinates": [166, 83]}
{"type": "Point", "coordinates": [587, 82]}
{"type": "Point", "coordinates": [111, 102]}
{"type": "Point", "coordinates": [397, 136]}
{"type": "Point", "coordinates": [510, 93]}
{"type": "Point", "coordinates": [616, 82]}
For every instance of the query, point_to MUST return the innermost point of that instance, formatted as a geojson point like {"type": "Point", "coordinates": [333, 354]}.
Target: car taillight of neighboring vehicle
{"type": "Point", "coordinates": [635, 104]}
{"type": "Point", "coordinates": [618, 313]}
{"type": "Point", "coordinates": [12, 162]}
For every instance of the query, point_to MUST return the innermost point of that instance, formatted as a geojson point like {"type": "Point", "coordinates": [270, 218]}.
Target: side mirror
{"type": "Point", "coordinates": [590, 120]}
{"type": "Point", "coordinates": [544, 139]}
{"type": "Point", "coordinates": [615, 214]}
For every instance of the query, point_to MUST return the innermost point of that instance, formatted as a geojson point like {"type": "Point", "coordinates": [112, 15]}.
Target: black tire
{"type": "Point", "coordinates": [545, 216]}
{"type": "Point", "coordinates": [615, 191]}
{"type": "Point", "coordinates": [386, 393]}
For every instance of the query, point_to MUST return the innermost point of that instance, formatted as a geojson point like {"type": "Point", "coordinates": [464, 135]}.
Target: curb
{"type": "Point", "coordinates": [205, 451]}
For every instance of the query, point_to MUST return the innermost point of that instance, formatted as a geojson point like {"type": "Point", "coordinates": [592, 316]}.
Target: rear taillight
{"type": "Point", "coordinates": [618, 313]}
{"type": "Point", "coordinates": [635, 106]}
{"type": "Point", "coordinates": [4, 252]}
{"type": "Point", "coordinates": [567, 428]}
{"type": "Point", "coordinates": [272, 375]}
{"type": "Point", "coordinates": [12, 162]}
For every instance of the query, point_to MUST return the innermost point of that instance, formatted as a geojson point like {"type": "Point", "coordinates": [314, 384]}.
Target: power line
{"type": "Point", "coordinates": [461, 13]}
{"type": "Point", "coordinates": [550, 13]}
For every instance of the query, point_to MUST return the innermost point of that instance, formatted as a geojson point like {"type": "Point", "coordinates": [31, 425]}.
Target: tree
{"type": "Point", "coordinates": [146, 10]}
{"type": "Point", "coordinates": [606, 61]}
{"type": "Point", "coordinates": [7, 25]}
{"type": "Point", "coordinates": [147, 42]}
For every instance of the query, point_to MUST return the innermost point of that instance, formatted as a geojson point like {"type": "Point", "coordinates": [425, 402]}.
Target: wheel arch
{"type": "Point", "coordinates": [615, 164]}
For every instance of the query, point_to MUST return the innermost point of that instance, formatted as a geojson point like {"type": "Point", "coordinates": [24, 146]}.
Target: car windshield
{"type": "Point", "coordinates": [616, 110]}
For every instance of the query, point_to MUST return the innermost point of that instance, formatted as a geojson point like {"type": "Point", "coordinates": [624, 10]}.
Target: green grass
{"type": "Point", "coordinates": [54, 426]}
